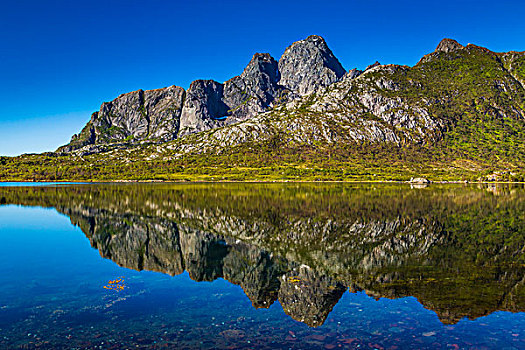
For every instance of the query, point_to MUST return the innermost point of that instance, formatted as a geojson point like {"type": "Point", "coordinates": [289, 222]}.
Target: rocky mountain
{"type": "Point", "coordinates": [456, 96]}
{"type": "Point", "coordinates": [459, 113]}
{"type": "Point", "coordinates": [308, 65]}
{"type": "Point", "coordinates": [169, 113]}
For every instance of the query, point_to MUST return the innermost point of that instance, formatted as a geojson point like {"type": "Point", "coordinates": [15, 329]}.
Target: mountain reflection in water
{"type": "Point", "coordinates": [458, 249]}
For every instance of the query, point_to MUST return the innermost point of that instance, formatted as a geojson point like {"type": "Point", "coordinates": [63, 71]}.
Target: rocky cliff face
{"type": "Point", "coordinates": [309, 65]}
{"type": "Point", "coordinates": [135, 116]}
{"type": "Point", "coordinates": [166, 114]}
{"type": "Point", "coordinates": [204, 107]}
{"type": "Point", "coordinates": [255, 90]}
{"type": "Point", "coordinates": [210, 104]}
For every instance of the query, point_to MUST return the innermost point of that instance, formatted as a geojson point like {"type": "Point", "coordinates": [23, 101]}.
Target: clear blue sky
{"type": "Point", "coordinates": [59, 60]}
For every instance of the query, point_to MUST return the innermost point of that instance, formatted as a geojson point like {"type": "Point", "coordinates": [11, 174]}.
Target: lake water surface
{"type": "Point", "coordinates": [262, 266]}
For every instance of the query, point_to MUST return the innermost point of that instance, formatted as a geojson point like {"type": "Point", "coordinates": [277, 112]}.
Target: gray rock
{"type": "Point", "coordinates": [166, 114]}
{"type": "Point", "coordinates": [204, 107]}
{"type": "Point", "coordinates": [255, 90]}
{"type": "Point", "coordinates": [448, 45]}
{"type": "Point", "coordinates": [133, 117]}
{"type": "Point", "coordinates": [419, 180]}
{"type": "Point", "coordinates": [210, 104]}
{"type": "Point", "coordinates": [163, 109]}
{"type": "Point", "coordinates": [352, 74]}
{"type": "Point", "coordinates": [122, 117]}
{"type": "Point", "coordinates": [308, 65]}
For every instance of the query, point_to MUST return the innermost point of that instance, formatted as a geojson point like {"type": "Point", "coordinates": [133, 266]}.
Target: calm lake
{"type": "Point", "coordinates": [262, 266]}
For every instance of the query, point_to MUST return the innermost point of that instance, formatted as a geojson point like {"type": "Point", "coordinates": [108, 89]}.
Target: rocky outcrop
{"type": "Point", "coordinates": [445, 46]}
{"type": "Point", "coordinates": [352, 74]}
{"type": "Point", "coordinates": [448, 45]}
{"type": "Point", "coordinates": [513, 62]}
{"type": "Point", "coordinates": [204, 107]}
{"type": "Point", "coordinates": [210, 104]}
{"type": "Point", "coordinates": [419, 180]}
{"type": "Point", "coordinates": [308, 65]}
{"type": "Point", "coordinates": [255, 90]}
{"type": "Point", "coordinates": [134, 117]}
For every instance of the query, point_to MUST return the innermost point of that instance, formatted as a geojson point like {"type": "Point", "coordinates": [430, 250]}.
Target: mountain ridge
{"type": "Point", "coordinates": [208, 104]}
{"type": "Point", "coordinates": [458, 114]}
{"type": "Point", "coordinates": [206, 108]}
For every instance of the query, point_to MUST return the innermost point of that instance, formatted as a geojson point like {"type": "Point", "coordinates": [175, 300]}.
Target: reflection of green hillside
{"type": "Point", "coordinates": [458, 249]}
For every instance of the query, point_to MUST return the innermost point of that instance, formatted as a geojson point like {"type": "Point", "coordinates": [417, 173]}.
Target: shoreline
{"type": "Point", "coordinates": [263, 181]}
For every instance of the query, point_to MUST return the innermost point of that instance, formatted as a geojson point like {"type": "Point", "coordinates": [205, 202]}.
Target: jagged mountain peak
{"type": "Point", "coordinates": [264, 56]}
{"type": "Point", "coordinates": [262, 63]}
{"type": "Point", "coordinates": [317, 39]}
{"type": "Point", "coordinates": [448, 45]}
{"type": "Point", "coordinates": [375, 64]}
{"type": "Point", "coordinates": [254, 90]}
{"type": "Point", "coordinates": [308, 65]}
